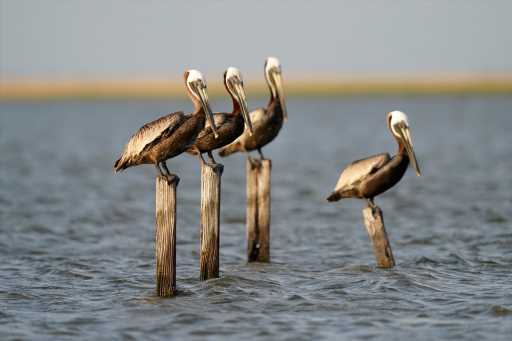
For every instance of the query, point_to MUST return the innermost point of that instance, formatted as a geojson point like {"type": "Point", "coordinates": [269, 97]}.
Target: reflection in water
{"type": "Point", "coordinates": [77, 241]}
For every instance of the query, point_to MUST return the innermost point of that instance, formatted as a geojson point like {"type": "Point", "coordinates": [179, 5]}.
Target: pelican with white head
{"type": "Point", "coordinates": [273, 75]}
{"type": "Point", "coordinates": [196, 85]}
{"type": "Point", "coordinates": [235, 86]}
{"type": "Point", "coordinates": [369, 177]}
{"type": "Point", "coordinates": [266, 122]}
{"type": "Point", "coordinates": [170, 135]}
{"type": "Point", "coordinates": [399, 127]}
{"type": "Point", "coordinates": [229, 125]}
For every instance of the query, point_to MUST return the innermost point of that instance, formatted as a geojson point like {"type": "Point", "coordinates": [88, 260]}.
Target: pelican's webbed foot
{"type": "Point", "coordinates": [255, 163]}
{"type": "Point", "coordinates": [218, 166]}
{"type": "Point", "coordinates": [168, 175]}
{"type": "Point", "coordinates": [172, 178]}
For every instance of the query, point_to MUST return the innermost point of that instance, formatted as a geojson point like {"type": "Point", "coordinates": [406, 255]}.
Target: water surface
{"type": "Point", "coordinates": [76, 245]}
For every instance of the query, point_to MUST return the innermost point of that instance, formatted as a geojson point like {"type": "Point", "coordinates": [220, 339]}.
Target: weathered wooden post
{"type": "Point", "coordinates": [258, 210]}
{"type": "Point", "coordinates": [165, 236]}
{"type": "Point", "coordinates": [374, 223]}
{"type": "Point", "coordinates": [210, 220]}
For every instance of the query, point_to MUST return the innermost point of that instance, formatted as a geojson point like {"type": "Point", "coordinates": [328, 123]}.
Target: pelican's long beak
{"type": "Point", "coordinates": [203, 98]}
{"type": "Point", "coordinates": [242, 101]}
{"type": "Point", "coordinates": [280, 93]}
{"type": "Point", "coordinates": [404, 132]}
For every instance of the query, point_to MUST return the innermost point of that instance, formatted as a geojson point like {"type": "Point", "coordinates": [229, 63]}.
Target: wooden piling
{"type": "Point", "coordinates": [165, 236]}
{"type": "Point", "coordinates": [258, 210]}
{"type": "Point", "coordinates": [210, 220]}
{"type": "Point", "coordinates": [374, 222]}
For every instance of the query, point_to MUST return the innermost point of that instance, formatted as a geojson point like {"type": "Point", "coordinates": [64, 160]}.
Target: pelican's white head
{"type": "Point", "coordinates": [235, 86]}
{"type": "Point", "coordinates": [272, 64]}
{"type": "Point", "coordinates": [399, 127]}
{"type": "Point", "coordinates": [195, 81]}
{"type": "Point", "coordinates": [394, 119]}
{"type": "Point", "coordinates": [233, 81]}
{"type": "Point", "coordinates": [196, 86]}
{"type": "Point", "coordinates": [275, 82]}
{"type": "Point", "coordinates": [233, 73]}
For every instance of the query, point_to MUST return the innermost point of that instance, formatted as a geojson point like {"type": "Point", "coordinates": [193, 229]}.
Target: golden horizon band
{"type": "Point", "coordinates": [19, 90]}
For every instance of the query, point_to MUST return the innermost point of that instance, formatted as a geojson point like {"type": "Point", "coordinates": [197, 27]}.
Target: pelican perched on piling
{"type": "Point", "coordinates": [266, 122]}
{"type": "Point", "coordinates": [170, 135]}
{"type": "Point", "coordinates": [229, 125]}
{"type": "Point", "coordinates": [367, 178]}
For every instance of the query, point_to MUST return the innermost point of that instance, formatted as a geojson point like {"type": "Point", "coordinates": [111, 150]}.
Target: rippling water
{"type": "Point", "coordinates": [76, 245]}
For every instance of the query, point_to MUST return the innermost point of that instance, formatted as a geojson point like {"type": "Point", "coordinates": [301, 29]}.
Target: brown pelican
{"type": "Point", "coordinates": [266, 122]}
{"type": "Point", "coordinates": [229, 125]}
{"type": "Point", "coordinates": [374, 175]}
{"type": "Point", "coordinates": [169, 135]}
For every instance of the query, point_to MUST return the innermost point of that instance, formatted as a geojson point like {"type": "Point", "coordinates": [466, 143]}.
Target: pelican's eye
{"type": "Point", "coordinates": [199, 84]}
{"type": "Point", "coordinates": [234, 81]}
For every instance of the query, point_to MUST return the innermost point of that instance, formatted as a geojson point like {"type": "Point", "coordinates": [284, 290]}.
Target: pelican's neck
{"type": "Point", "coordinates": [236, 106]}
{"type": "Point", "coordinates": [198, 108]}
{"type": "Point", "coordinates": [272, 89]}
{"type": "Point", "coordinates": [274, 96]}
{"type": "Point", "coordinates": [195, 101]}
{"type": "Point", "coordinates": [401, 147]}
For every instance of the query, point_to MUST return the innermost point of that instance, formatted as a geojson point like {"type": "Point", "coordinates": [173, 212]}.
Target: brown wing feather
{"type": "Point", "coordinates": [358, 170]}
{"type": "Point", "coordinates": [219, 118]}
{"type": "Point", "coordinates": [151, 132]}
{"type": "Point", "coordinates": [258, 119]}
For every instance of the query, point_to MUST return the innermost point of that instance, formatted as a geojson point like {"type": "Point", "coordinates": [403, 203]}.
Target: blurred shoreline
{"type": "Point", "coordinates": [298, 86]}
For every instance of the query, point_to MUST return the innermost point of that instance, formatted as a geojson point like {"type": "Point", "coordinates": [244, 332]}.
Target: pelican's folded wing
{"type": "Point", "coordinates": [150, 133]}
{"type": "Point", "coordinates": [358, 170]}
{"type": "Point", "coordinates": [258, 118]}
{"type": "Point", "coordinates": [219, 118]}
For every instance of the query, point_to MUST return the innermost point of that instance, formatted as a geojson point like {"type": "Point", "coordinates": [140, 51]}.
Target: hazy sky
{"type": "Point", "coordinates": [150, 38]}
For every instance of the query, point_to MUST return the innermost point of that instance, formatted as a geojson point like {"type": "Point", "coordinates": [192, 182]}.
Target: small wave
{"type": "Point", "coordinates": [355, 269]}
{"type": "Point", "coordinates": [418, 241]}
{"type": "Point", "coordinates": [425, 260]}
{"type": "Point", "coordinates": [15, 296]}
{"type": "Point", "coordinates": [457, 259]}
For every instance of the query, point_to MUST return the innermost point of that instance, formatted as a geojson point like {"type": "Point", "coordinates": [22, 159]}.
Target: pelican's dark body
{"type": "Point", "coordinates": [266, 125]}
{"type": "Point", "coordinates": [386, 177]}
{"type": "Point", "coordinates": [381, 178]}
{"type": "Point", "coordinates": [229, 127]}
{"type": "Point", "coordinates": [177, 132]}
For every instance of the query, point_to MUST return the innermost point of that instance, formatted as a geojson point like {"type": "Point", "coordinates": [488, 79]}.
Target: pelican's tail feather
{"type": "Point", "coordinates": [120, 164]}
{"type": "Point", "coordinates": [229, 149]}
{"type": "Point", "coordinates": [334, 196]}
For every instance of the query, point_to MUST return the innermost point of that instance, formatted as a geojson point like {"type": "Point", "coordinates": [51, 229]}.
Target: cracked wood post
{"type": "Point", "coordinates": [165, 236]}
{"type": "Point", "coordinates": [258, 210]}
{"type": "Point", "coordinates": [210, 221]}
{"type": "Point", "coordinates": [374, 223]}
